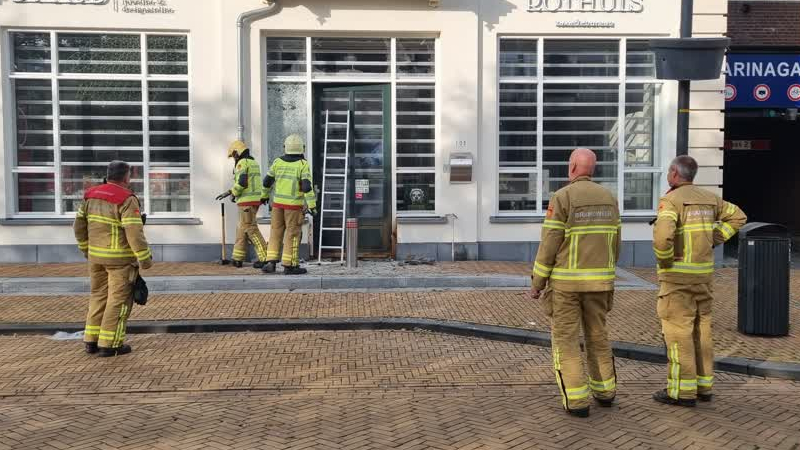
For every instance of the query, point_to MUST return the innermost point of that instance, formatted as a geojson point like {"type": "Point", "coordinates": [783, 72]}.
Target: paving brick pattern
{"type": "Point", "coordinates": [633, 318]}
{"type": "Point", "coordinates": [355, 390]}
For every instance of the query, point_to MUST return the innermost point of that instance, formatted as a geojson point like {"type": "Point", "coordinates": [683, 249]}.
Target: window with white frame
{"type": "Point", "coordinates": [408, 64]}
{"type": "Point", "coordinates": [83, 99]}
{"type": "Point", "coordinates": [556, 95]}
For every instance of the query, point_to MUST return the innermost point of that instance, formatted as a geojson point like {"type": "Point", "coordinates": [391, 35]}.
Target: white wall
{"type": "Point", "coordinates": [467, 80]}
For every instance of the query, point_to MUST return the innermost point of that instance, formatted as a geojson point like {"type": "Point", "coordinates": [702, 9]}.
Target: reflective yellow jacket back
{"type": "Point", "coordinates": [691, 222]}
{"type": "Point", "coordinates": [580, 240]}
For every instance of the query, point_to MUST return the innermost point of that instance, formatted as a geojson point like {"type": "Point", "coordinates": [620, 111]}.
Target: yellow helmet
{"type": "Point", "coordinates": [237, 148]}
{"type": "Point", "coordinates": [293, 145]}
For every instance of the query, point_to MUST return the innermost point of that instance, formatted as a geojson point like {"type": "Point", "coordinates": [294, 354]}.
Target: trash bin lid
{"type": "Point", "coordinates": [762, 229]}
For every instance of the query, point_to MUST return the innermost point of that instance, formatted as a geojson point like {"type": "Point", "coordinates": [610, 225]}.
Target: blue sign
{"type": "Point", "coordinates": [762, 80]}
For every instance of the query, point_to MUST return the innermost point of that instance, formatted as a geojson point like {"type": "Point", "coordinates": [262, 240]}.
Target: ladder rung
{"type": "Point", "coordinates": [335, 175]}
{"type": "Point", "coordinates": [333, 229]}
{"type": "Point", "coordinates": [335, 157]}
{"type": "Point", "coordinates": [333, 193]}
{"type": "Point", "coordinates": [333, 210]}
{"type": "Point", "coordinates": [338, 123]}
{"type": "Point", "coordinates": [336, 140]}
{"type": "Point", "coordinates": [331, 247]}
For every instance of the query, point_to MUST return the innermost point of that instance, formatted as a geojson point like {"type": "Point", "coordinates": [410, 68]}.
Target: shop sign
{"type": "Point", "coordinates": [763, 80]}
{"type": "Point", "coordinates": [586, 6]}
{"type": "Point", "coordinates": [66, 2]}
{"type": "Point", "coordinates": [144, 7]}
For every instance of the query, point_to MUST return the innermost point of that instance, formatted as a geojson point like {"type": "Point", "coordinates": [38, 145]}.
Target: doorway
{"type": "Point", "coordinates": [369, 181]}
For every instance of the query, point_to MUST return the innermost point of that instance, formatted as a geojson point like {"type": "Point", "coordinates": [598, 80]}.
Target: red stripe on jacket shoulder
{"type": "Point", "coordinates": [108, 192]}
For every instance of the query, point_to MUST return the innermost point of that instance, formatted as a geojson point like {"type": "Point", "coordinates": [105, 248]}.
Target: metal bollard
{"type": "Point", "coordinates": [352, 243]}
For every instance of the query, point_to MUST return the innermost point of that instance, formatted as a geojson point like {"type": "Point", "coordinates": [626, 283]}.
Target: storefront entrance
{"type": "Point", "coordinates": [368, 139]}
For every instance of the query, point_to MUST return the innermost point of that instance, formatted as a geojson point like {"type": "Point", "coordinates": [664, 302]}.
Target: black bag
{"type": "Point", "coordinates": [140, 291]}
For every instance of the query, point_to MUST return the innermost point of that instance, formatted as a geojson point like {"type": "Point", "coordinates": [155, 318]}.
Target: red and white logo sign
{"type": "Point", "coordinates": [762, 92]}
{"type": "Point", "coordinates": [730, 92]}
{"type": "Point", "coordinates": [794, 92]}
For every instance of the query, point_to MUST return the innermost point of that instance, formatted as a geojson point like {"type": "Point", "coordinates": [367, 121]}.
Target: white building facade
{"type": "Point", "coordinates": [510, 85]}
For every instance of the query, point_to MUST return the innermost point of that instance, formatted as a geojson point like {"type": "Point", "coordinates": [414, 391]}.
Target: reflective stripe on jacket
{"type": "Point", "coordinates": [108, 227]}
{"type": "Point", "coordinates": [288, 179]}
{"type": "Point", "coordinates": [247, 183]}
{"type": "Point", "coordinates": [580, 240]}
{"type": "Point", "coordinates": [691, 222]}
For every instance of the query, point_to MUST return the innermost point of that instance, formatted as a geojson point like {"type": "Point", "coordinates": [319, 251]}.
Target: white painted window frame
{"type": "Point", "coordinates": [393, 79]}
{"type": "Point", "coordinates": [659, 141]}
{"type": "Point", "coordinates": [55, 77]}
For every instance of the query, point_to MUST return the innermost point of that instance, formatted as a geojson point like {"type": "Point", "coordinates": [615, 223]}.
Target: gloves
{"type": "Point", "coordinates": [312, 211]}
{"type": "Point", "coordinates": [224, 195]}
{"type": "Point", "coordinates": [264, 201]}
{"type": "Point", "coordinates": [146, 264]}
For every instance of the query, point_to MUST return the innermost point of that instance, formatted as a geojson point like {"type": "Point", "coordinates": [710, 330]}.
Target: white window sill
{"type": "Point", "coordinates": [68, 221]}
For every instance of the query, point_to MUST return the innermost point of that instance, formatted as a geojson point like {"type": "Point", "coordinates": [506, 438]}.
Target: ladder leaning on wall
{"type": "Point", "coordinates": [329, 174]}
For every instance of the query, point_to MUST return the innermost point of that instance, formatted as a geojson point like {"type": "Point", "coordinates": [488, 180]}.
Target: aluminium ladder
{"type": "Point", "coordinates": [326, 185]}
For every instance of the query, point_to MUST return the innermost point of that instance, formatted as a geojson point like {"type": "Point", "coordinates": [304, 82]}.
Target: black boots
{"type": "Point", "coordinates": [91, 347]}
{"type": "Point", "coordinates": [705, 397]}
{"type": "Point", "coordinates": [269, 267]}
{"type": "Point", "coordinates": [116, 351]}
{"type": "Point", "coordinates": [605, 402]}
{"type": "Point", "coordinates": [237, 264]}
{"type": "Point", "coordinates": [582, 412]}
{"type": "Point", "coordinates": [296, 270]}
{"type": "Point", "coordinates": [662, 397]}
{"type": "Point", "coordinates": [258, 264]}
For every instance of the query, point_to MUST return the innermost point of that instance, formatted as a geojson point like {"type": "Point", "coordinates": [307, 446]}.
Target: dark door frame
{"type": "Point", "coordinates": [385, 89]}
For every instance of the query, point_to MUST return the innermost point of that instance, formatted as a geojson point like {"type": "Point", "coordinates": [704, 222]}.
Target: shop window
{"type": "Point", "coordinates": [286, 114]}
{"type": "Point", "coordinates": [518, 58]}
{"type": "Point", "coordinates": [286, 56]}
{"type": "Point", "coordinates": [581, 98]}
{"type": "Point", "coordinates": [416, 147]}
{"type": "Point", "coordinates": [111, 105]}
{"type": "Point", "coordinates": [416, 192]}
{"type": "Point", "coordinates": [416, 57]}
{"type": "Point", "coordinates": [351, 56]}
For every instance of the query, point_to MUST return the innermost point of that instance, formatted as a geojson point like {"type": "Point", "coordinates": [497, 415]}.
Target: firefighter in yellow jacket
{"type": "Point", "coordinates": [690, 223]}
{"type": "Point", "coordinates": [110, 233]}
{"type": "Point", "coordinates": [249, 196]}
{"type": "Point", "coordinates": [576, 262]}
{"type": "Point", "coordinates": [290, 183]}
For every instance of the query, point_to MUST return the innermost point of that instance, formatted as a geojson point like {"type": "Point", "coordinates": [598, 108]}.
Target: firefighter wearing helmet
{"type": "Point", "coordinates": [249, 195]}
{"type": "Point", "coordinates": [289, 183]}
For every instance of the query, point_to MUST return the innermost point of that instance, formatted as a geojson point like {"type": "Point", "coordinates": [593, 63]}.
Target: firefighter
{"type": "Point", "coordinates": [690, 223]}
{"type": "Point", "coordinates": [110, 234]}
{"type": "Point", "coordinates": [574, 273]}
{"type": "Point", "coordinates": [290, 183]}
{"type": "Point", "coordinates": [249, 196]}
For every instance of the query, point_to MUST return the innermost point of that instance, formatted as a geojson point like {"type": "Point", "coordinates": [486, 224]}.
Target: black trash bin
{"type": "Point", "coordinates": [764, 271]}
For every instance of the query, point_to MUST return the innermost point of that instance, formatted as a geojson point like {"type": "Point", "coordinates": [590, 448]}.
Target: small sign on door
{"type": "Point", "coordinates": [362, 187]}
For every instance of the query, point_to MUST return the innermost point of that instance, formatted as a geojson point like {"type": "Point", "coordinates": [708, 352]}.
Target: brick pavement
{"type": "Point", "coordinates": [632, 320]}
{"type": "Point", "coordinates": [355, 390]}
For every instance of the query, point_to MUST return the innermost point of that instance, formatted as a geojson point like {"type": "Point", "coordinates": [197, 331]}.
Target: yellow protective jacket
{"type": "Point", "coordinates": [289, 180]}
{"type": "Point", "coordinates": [247, 183]}
{"type": "Point", "coordinates": [691, 222]}
{"type": "Point", "coordinates": [109, 229]}
{"type": "Point", "coordinates": [581, 238]}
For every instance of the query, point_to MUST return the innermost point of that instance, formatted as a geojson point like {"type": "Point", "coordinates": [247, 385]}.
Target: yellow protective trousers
{"type": "Point", "coordinates": [286, 227]}
{"type": "Point", "coordinates": [569, 312]}
{"type": "Point", "coordinates": [248, 230]}
{"type": "Point", "coordinates": [110, 304]}
{"type": "Point", "coordinates": [685, 313]}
